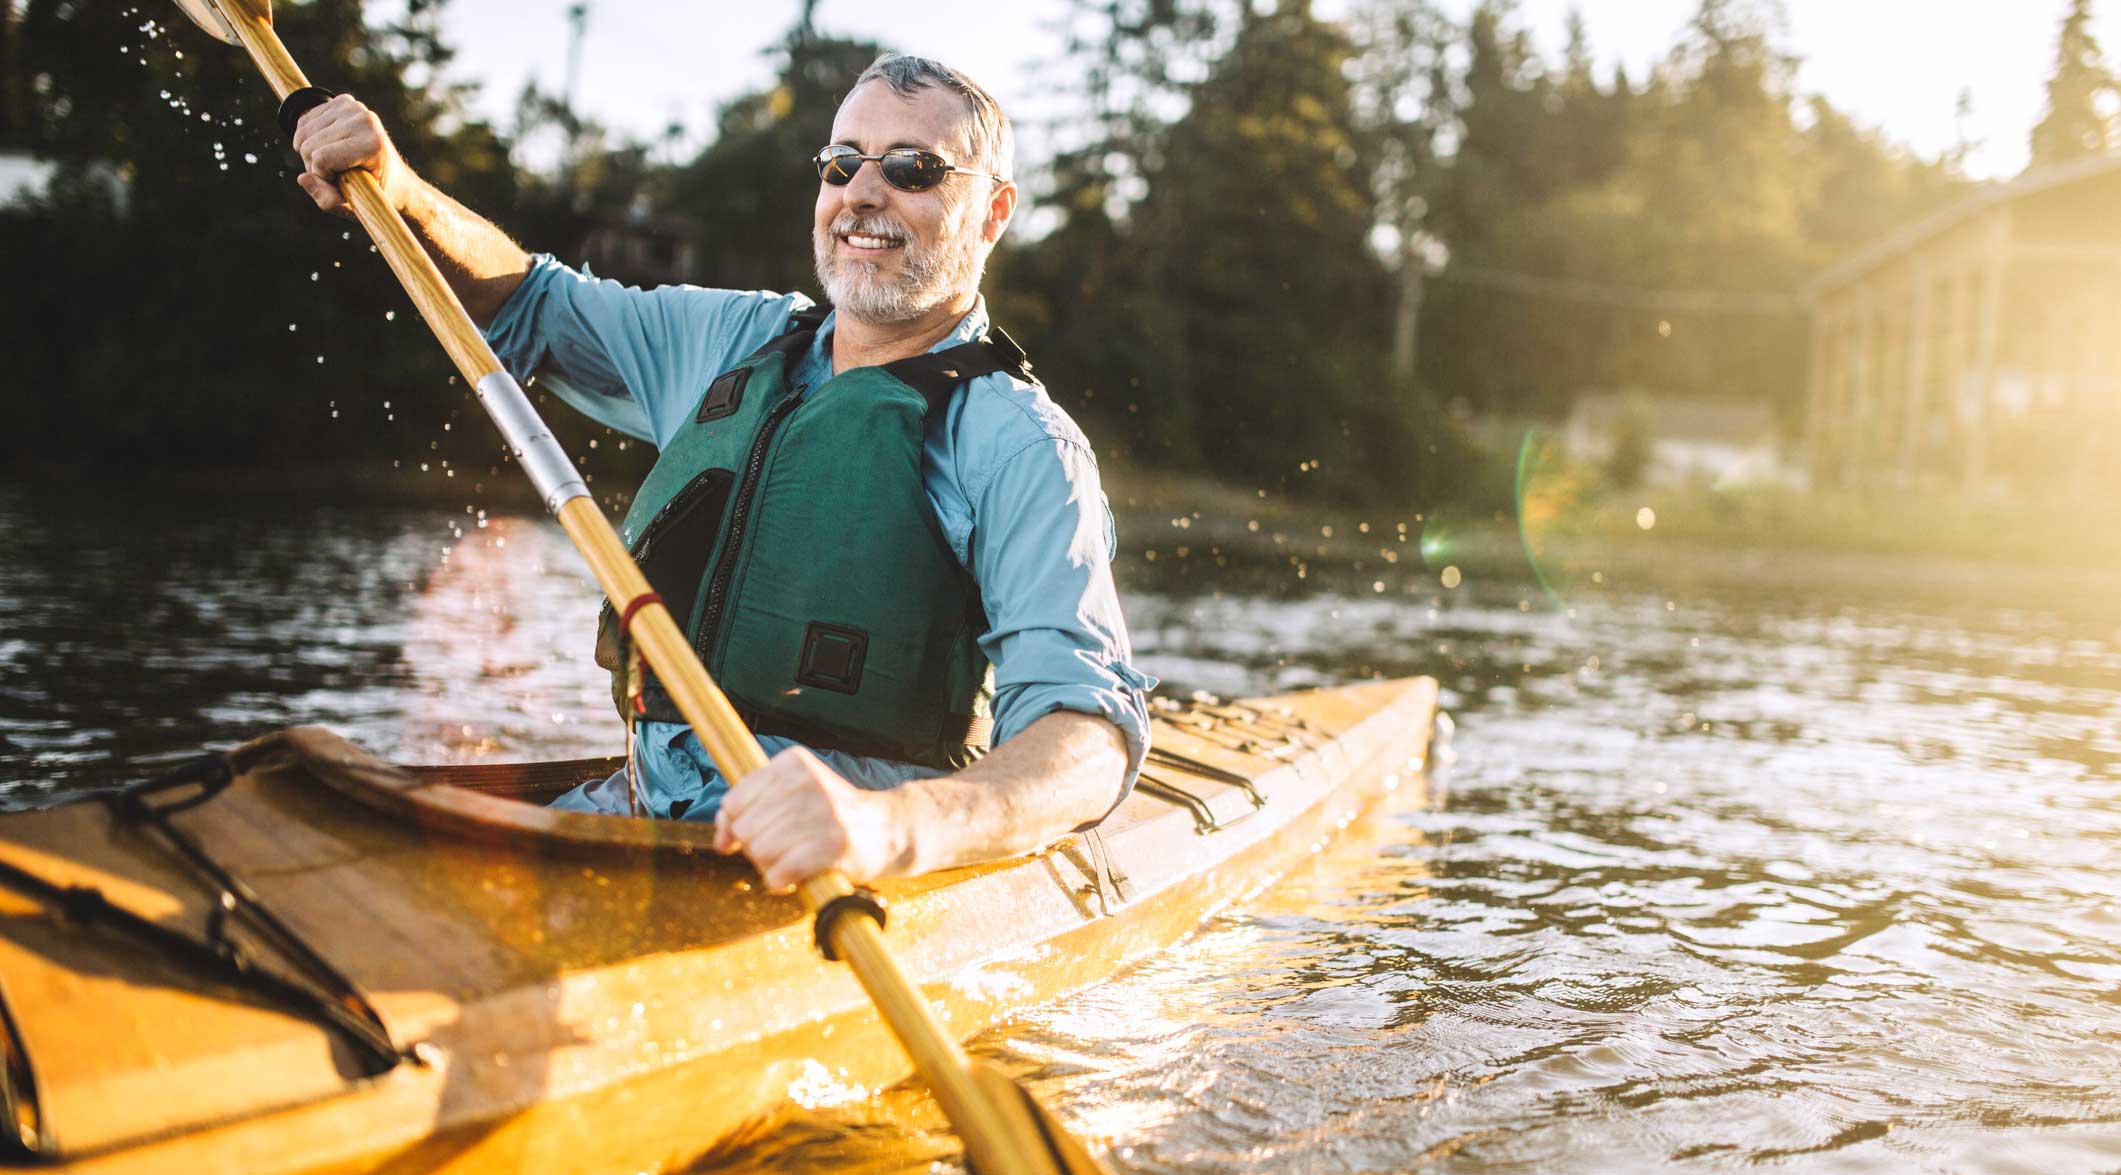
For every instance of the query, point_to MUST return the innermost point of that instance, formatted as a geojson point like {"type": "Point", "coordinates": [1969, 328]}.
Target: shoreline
{"type": "Point", "coordinates": [1162, 515]}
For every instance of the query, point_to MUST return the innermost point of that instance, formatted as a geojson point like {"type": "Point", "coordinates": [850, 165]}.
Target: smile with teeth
{"type": "Point", "coordinates": [865, 241]}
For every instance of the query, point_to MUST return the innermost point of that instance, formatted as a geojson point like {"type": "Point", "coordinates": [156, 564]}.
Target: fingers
{"type": "Point", "coordinates": [339, 136]}
{"type": "Point", "coordinates": [324, 192]}
{"type": "Point", "coordinates": [793, 817]}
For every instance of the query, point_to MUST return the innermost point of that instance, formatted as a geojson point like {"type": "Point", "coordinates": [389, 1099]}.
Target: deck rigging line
{"type": "Point", "coordinates": [317, 991]}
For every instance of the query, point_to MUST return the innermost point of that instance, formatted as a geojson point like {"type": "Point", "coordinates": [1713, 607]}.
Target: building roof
{"type": "Point", "coordinates": [1987, 196]}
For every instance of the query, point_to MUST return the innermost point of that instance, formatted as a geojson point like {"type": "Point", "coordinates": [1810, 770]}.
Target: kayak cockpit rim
{"type": "Point", "coordinates": [506, 800]}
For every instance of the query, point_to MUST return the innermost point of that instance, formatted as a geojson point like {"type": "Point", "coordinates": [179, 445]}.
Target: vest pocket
{"type": "Point", "coordinates": [676, 547]}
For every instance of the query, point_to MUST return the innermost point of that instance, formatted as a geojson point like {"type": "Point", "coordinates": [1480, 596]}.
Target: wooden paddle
{"type": "Point", "coordinates": [1006, 1131]}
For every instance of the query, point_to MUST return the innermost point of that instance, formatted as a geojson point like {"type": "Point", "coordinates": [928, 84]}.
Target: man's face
{"type": "Point", "coordinates": [886, 255]}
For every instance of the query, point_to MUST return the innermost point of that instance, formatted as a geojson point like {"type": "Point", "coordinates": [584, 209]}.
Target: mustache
{"type": "Point", "coordinates": [873, 225]}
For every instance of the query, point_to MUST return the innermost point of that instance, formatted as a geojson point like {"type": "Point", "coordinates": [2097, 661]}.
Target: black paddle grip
{"type": "Point", "coordinates": [301, 102]}
{"type": "Point", "coordinates": [862, 901]}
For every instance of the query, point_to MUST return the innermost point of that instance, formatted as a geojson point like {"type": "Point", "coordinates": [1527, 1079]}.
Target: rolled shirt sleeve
{"type": "Point", "coordinates": [1042, 547]}
{"type": "Point", "coordinates": [634, 359]}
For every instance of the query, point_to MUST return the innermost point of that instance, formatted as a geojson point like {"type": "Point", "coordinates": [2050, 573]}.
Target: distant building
{"type": "Point", "coordinates": [1979, 346]}
{"type": "Point", "coordinates": [1692, 438]}
{"type": "Point", "coordinates": [24, 178]}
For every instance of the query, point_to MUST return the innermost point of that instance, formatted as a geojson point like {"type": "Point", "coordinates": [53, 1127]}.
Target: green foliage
{"type": "Point", "coordinates": [754, 185]}
{"type": "Point", "coordinates": [209, 315]}
{"type": "Point", "coordinates": [1233, 318]}
{"type": "Point", "coordinates": [1222, 258]}
{"type": "Point", "coordinates": [1653, 237]}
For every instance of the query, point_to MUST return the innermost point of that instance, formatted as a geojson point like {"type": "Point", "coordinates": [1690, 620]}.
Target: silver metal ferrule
{"type": "Point", "coordinates": [530, 441]}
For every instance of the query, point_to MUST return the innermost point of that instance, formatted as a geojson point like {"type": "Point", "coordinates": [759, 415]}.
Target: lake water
{"type": "Point", "coordinates": [1741, 863]}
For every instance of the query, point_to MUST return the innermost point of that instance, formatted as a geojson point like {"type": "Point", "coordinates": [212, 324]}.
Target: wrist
{"type": "Point", "coordinates": [907, 817]}
{"type": "Point", "coordinates": [411, 196]}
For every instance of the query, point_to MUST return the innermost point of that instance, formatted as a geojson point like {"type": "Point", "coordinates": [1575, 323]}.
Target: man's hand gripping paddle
{"type": "Point", "coordinates": [1005, 1131]}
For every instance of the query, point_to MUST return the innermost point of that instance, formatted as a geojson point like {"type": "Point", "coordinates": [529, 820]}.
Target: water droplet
{"type": "Point", "coordinates": [249, 158]}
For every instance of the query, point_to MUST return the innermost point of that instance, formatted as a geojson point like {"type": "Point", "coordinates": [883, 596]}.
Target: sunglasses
{"type": "Point", "coordinates": [906, 168]}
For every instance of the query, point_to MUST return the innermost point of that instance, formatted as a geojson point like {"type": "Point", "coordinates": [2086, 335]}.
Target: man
{"type": "Point", "coordinates": [853, 513]}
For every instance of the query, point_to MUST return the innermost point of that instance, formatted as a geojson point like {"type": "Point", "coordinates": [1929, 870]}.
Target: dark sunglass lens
{"type": "Point", "coordinates": [837, 165]}
{"type": "Point", "coordinates": [914, 171]}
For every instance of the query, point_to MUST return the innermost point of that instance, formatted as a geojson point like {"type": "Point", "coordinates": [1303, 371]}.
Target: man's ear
{"type": "Point", "coordinates": [1001, 206]}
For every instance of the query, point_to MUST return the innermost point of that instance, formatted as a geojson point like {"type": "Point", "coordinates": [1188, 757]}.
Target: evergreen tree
{"type": "Point", "coordinates": [2081, 96]}
{"type": "Point", "coordinates": [1083, 297]}
{"type": "Point", "coordinates": [1254, 236]}
{"type": "Point", "coordinates": [751, 188]}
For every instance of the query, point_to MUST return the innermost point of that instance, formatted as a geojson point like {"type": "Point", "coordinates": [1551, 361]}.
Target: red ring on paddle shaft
{"type": "Point", "coordinates": [633, 606]}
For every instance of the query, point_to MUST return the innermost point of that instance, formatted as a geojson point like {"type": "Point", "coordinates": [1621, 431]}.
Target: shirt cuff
{"type": "Point", "coordinates": [512, 333]}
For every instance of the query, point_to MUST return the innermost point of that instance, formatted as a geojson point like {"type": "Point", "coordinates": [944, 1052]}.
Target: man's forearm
{"type": "Point", "coordinates": [1063, 771]}
{"type": "Point", "coordinates": [477, 259]}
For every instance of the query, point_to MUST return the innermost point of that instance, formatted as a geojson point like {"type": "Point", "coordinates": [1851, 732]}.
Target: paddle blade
{"type": "Point", "coordinates": [1034, 1128]}
{"type": "Point", "coordinates": [207, 15]}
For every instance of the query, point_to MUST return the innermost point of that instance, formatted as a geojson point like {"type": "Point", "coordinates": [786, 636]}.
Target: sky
{"type": "Point", "coordinates": [1896, 65]}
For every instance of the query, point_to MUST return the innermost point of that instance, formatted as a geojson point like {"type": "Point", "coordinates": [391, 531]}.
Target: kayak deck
{"type": "Point", "coordinates": [580, 992]}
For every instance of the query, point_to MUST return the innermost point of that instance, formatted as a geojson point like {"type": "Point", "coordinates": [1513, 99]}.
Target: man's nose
{"type": "Point", "coordinates": [867, 190]}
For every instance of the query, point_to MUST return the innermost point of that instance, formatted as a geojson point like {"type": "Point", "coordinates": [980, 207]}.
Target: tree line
{"type": "Point", "coordinates": [1288, 251]}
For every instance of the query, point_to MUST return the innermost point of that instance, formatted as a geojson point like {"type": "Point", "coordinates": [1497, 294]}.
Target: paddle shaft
{"type": "Point", "coordinates": [1000, 1137]}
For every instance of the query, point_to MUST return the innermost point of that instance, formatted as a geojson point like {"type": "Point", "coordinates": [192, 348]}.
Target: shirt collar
{"type": "Point", "coordinates": [971, 326]}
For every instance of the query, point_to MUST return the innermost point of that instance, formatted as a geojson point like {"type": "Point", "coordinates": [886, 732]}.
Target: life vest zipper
{"type": "Point", "coordinates": [678, 501]}
{"type": "Point", "coordinates": [739, 517]}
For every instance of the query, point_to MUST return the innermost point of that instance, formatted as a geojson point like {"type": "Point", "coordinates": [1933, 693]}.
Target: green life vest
{"type": "Point", "coordinates": [789, 532]}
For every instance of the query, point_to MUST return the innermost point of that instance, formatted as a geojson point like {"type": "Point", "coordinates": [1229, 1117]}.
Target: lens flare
{"type": "Point", "coordinates": [1556, 499]}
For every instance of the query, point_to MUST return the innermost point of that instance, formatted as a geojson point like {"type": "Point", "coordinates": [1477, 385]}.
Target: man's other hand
{"type": "Point", "coordinates": [340, 136]}
{"type": "Point", "coordinates": [796, 818]}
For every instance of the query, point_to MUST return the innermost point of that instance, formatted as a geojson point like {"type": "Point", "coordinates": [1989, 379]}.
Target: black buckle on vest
{"type": "Point", "coordinates": [832, 657]}
{"type": "Point", "coordinates": [724, 396]}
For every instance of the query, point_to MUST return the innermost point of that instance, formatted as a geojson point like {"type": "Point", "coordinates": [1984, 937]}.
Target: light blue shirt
{"type": "Point", "coordinates": [1012, 479]}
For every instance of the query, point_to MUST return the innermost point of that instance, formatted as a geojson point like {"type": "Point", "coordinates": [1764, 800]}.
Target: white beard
{"type": "Point", "coordinates": [929, 276]}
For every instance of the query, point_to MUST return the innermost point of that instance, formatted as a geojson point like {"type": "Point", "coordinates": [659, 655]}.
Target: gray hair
{"type": "Point", "coordinates": [993, 142]}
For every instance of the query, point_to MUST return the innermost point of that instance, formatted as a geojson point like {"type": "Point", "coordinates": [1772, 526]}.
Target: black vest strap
{"type": "Point", "coordinates": [938, 373]}
{"type": "Point", "coordinates": [802, 325]}
{"type": "Point", "coordinates": [934, 375]}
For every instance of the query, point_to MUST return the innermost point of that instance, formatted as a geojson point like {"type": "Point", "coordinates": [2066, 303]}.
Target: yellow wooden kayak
{"type": "Point", "coordinates": [297, 958]}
